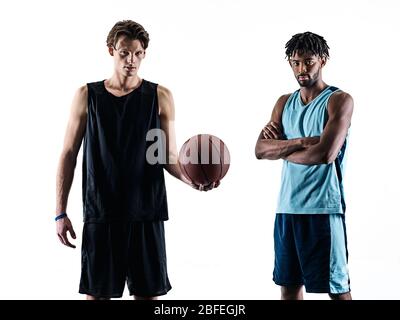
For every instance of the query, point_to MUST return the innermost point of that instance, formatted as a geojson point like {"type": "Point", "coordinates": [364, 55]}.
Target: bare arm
{"type": "Point", "coordinates": [65, 173]}
{"type": "Point", "coordinates": [340, 110]}
{"type": "Point", "coordinates": [167, 116]}
{"type": "Point", "coordinates": [271, 144]}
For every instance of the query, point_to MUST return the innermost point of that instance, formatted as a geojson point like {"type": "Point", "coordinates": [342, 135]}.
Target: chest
{"type": "Point", "coordinates": [304, 121]}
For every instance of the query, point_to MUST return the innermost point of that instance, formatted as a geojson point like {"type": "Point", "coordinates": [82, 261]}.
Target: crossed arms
{"type": "Point", "coordinates": [271, 144]}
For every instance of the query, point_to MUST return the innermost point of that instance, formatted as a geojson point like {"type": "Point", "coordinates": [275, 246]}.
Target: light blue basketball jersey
{"type": "Point", "coordinates": [310, 189]}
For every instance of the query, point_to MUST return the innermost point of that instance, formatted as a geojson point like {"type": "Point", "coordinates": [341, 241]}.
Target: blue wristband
{"type": "Point", "coordinates": [60, 216]}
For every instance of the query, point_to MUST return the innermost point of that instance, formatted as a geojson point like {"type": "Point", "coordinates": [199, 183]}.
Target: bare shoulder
{"type": "Point", "coordinates": [163, 92]}
{"type": "Point", "coordinates": [79, 104]}
{"type": "Point", "coordinates": [283, 98]}
{"type": "Point", "coordinates": [165, 102]}
{"type": "Point", "coordinates": [278, 108]}
{"type": "Point", "coordinates": [83, 89]}
{"type": "Point", "coordinates": [341, 97]}
{"type": "Point", "coordinates": [81, 92]}
{"type": "Point", "coordinates": [341, 101]}
{"type": "Point", "coordinates": [280, 103]}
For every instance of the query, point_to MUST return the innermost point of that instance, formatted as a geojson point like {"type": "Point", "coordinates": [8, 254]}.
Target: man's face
{"type": "Point", "coordinates": [128, 54]}
{"type": "Point", "coordinates": [306, 68]}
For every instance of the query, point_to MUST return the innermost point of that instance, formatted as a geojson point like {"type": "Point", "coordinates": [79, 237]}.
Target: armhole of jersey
{"type": "Point", "coordinates": [288, 99]}
{"type": "Point", "coordinates": [157, 101]}
{"type": "Point", "coordinates": [286, 103]}
{"type": "Point", "coordinates": [329, 98]}
{"type": "Point", "coordinates": [283, 111]}
{"type": "Point", "coordinates": [87, 100]}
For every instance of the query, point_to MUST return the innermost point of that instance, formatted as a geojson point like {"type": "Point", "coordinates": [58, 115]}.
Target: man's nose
{"type": "Point", "coordinates": [131, 58]}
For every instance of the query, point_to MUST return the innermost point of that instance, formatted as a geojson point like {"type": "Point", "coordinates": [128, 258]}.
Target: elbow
{"type": "Point", "coordinates": [68, 157]}
{"type": "Point", "coordinates": [262, 151]}
{"type": "Point", "coordinates": [324, 154]}
{"type": "Point", "coordinates": [259, 153]}
{"type": "Point", "coordinates": [328, 158]}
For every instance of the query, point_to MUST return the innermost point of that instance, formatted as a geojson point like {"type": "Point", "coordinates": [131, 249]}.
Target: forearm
{"type": "Point", "coordinates": [309, 156]}
{"type": "Point", "coordinates": [173, 168]}
{"type": "Point", "coordinates": [65, 176]}
{"type": "Point", "coordinates": [272, 149]}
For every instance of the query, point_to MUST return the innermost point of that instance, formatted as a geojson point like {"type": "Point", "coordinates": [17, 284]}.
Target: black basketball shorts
{"type": "Point", "coordinates": [124, 252]}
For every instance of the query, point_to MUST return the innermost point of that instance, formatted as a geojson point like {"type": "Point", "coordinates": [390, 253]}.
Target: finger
{"type": "Point", "coordinates": [276, 126]}
{"type": "Point", "coordinates": [69, 244]}
{"type": "Point", "coordinates": [72, 232]}
{"type": "Point", "coordinates": [194, 186]}
{"type": "Point", "coordinates": [66, 241]}
{"type": "Point", "coordinates": [267, 134]}
{"type": "Point", "coordinates": [211, 186]}
{"type": "Point", "coordinates": [271, 132]}
{"type": "Point", "coordinates": [61, 239]}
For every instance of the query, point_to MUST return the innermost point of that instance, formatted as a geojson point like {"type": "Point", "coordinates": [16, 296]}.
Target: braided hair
{"type": "Point", "coordinates": [307, 42]}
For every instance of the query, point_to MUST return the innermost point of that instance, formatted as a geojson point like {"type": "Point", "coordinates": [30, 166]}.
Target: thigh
{"type": "Point", "coordinates": [320, 241]}
{"type": "Point", "coordinates": [104, 259]}
{"type": "Point", "coordinates": [147, 261]}
{"type": "Point", "coordinates": [339, 281]}
{"type": "Point", "coordinates": [287, 270]}
{"type": "Point", "coordinates": [313, 242]}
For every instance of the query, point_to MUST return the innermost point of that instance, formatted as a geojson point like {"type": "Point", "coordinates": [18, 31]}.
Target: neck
{"type": "Point", "coordinates": [310, 93]}
{"type": "Point", "coordinates": [122, 83]}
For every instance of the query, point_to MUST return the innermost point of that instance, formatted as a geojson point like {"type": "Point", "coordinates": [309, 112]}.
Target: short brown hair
{"type": "Point", "coordinates": [129, 28]}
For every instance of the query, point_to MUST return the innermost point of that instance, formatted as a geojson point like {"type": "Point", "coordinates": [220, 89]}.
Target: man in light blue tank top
{"type": "Point", "coordinates": [309, 130]}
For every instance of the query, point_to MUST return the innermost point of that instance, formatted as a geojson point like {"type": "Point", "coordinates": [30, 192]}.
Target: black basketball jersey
{"type": "Point", "coordinates": [118, 183]}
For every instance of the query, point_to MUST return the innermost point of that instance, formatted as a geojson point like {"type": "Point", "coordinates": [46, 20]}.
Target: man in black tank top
{"type": "Point", "coordinates": [123, 188]}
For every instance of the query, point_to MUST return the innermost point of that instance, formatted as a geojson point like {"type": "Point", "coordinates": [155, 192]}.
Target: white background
{"type": "Point", "coordinates": [224, 62]}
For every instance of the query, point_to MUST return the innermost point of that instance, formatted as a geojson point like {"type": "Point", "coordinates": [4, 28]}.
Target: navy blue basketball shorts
{"type": "Point", "coordinates": [311, 250]}
{"type": "Point", "coordinates": [124, 252]}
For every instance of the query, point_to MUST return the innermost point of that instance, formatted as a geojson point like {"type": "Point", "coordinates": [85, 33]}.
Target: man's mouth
{"type": "Point", "coordinates": [303, 78]}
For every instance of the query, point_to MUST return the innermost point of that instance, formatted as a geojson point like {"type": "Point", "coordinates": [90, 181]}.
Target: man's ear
{"type": "Point", "coordinates": [111, 51]}
{"type": "Point", "coordinates": [144, 54]}
{"type": "Point", "coordinates": [323, 61]}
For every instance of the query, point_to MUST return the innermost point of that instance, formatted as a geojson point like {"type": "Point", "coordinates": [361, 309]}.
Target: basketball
{"type": "Point", "coordinates": [204, 159]}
